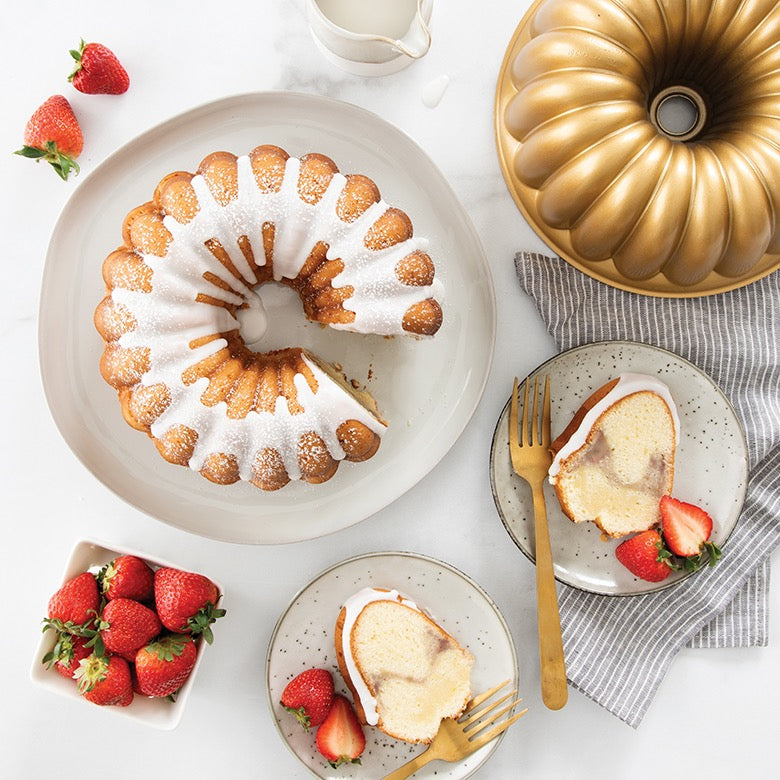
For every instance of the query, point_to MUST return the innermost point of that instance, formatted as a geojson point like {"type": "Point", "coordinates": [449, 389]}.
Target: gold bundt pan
{"type": "Point", "coordinates": [665, 55]}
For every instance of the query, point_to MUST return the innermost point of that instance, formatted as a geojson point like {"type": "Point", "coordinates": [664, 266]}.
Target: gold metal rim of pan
{"type": "Point", "coordinates": [558, 240]}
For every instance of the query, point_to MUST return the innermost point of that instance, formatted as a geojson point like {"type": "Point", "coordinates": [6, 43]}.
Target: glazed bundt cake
{"type": "Point", "coordinates": [191, 260]}
{"type": "Point", "coordinates": [406, 673]}
{"type": "Point", "coordinates": [615, 459]}
{"type": "Point", "coordinates": [605, 168]}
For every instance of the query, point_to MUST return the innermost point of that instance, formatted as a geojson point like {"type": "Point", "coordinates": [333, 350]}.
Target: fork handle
{"type": "Point", "coordinates": [411, 766]}
{"type": "Point", "coordinates": [553, 669]}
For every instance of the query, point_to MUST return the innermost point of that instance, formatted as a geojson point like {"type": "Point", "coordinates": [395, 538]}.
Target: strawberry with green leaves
{"type": "Point", "coordinates": [105, 680]}
{"type": "Point", "coordinates": [309, 697]}
{"type": "Point", "coordinates": [164, 665]}
{"type": "Point", "coordinates": [67, 653]}
{"type": "Point", "coordinates": [686, 530]}
{"type": "Point", "coordinates": [98, 70]}
{"type": "Point", "coordinates": [645, 556]}
{"type": "Point", "coordinates": [127, 577]}
{"type": "Point", "coordinates": [682, 543]}
{"type": "Point", "coordinates": [53, 134]}
{"type": "Point", "coordinates": [74, 607]}
{"type": "Point", "coordinates": [340, 738]}
{"type": "Point", "coordinates": [186, 602]}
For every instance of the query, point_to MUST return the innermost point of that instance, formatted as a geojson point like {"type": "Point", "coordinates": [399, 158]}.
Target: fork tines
{"type": "Point", "coordinates": [472, 722]}
{"type": "Point", "coordinates": [531, 433]}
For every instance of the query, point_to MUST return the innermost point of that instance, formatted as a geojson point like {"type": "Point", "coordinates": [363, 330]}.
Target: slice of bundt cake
{"type": "Point", "coordinates": [406, 673]}
{"type": "Point", "coordinates": [615, 459]}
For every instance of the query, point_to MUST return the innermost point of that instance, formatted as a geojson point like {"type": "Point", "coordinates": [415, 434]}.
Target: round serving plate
{"type": "Point", "coordinates": [710, 467]}
{"type": "Point", "coordinates": [447, 372]}
{"type": "Point", "coordinates": [303, 638]}
{"type": "Point", "coordinates": [559, 240]}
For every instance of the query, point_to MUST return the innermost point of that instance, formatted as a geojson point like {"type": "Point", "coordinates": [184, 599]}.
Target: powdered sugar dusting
{"type": "Point", "coordinates": [189, 282]}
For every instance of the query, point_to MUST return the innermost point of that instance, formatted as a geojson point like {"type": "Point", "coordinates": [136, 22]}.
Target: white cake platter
{"type": "Point", "coordinates": [426, 388]}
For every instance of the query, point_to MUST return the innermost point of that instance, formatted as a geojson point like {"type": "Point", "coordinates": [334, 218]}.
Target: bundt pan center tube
{"type": "Point", "coordinates": [641, 138]}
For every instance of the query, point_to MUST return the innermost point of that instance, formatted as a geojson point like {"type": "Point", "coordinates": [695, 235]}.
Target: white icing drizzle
{"type": "Point", "coordinates": [353, 606]}
{"type": "Point", "coordinates": [627, 384]}
{"type": "Point", "coordinates": [170, 316]}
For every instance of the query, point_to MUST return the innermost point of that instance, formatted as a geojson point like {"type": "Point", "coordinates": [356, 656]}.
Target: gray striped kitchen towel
{"type": "Point", "coordinates": [618, 649]}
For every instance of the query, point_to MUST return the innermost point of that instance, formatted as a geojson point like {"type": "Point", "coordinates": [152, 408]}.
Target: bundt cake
{"type": "Point", "coordinates": [406, 673]}
{"type": "Point", "coordinates": [615, 459]}
{"type": "Point", "coordinates": [607, 177]}
{"type": "Point", "coordinates": [192, 257]}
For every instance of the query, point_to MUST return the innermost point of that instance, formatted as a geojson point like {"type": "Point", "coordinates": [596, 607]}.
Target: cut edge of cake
{"type": "Point", "coordinates": [615, 459]}
{"type": "Point", "coordinates": [405, 703]}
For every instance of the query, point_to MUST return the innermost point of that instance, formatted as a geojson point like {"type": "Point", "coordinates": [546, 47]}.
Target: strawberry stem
{"type": "Point", "coordinates": [710, 553]}
{"type": "Point", "coordinates": [344, 760]}
{"type": "Point", "coordinates": [714, 551]}
{"type": "Point", "coordinates": [62, 651]}
{"type": "Point", "coordinates": [169, 647]}
{"type": "Point", "coordinates": [77, 55]}
{"type": "Point", "coordinates": [91, 671]}
{"type": "Point", "coordinates": [300, 716]}
{"type": "Point", "coordinates": [61, 162]}
{"type": "Point", "coordinates": [85, 629]}
{"type": "Point", "coordinates": [200, 622]}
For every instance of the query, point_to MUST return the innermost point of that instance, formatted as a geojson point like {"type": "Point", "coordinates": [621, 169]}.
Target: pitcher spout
{"type": "Point", "coordinates": [417, 40]}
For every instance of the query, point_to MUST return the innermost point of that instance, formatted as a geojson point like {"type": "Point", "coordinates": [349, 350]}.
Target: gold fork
{"type": "Point", "coordinates": [457, 739]}
{"type": "Point", "coordinates": [531, 460]}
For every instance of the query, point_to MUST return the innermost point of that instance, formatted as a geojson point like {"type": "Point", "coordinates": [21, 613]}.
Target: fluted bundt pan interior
{"type": "Point", "coordinates": [641, 139]}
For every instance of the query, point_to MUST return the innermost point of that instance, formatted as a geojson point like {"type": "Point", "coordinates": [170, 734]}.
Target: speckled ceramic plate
{"type": "Point", "coordinates": [303, 638]}
{"type": "Point", "coordinates": [710, 466]}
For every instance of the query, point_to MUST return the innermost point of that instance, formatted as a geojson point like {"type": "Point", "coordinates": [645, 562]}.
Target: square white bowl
{"type": "Point", "coordinates": [161, 713]}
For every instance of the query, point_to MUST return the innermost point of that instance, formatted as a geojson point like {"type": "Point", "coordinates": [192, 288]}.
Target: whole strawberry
{"type": "Point", "coordinates": [98, 71]}
{"type": "Point", "coordinates": [309, 697]}
{"type": "Point", "coordinates": [127, 577]}
{"type": "Point", "coordinates": [105, 680]}
{"type": "Point", "coordinates": [645, 556]}
{"type": "Point", "coordinates": [340, 738]}
{"type": "Point", "coordinates": [186, 602]}
{"type": "Point", "coordinates": [53, 134]}
{"type": "Point", "coordinates": [66, 654]}
{"type": "Point", "coordinates": [126, 625]}
{"type": "Point", "coordinates": [74, 607]}
{"type": "Point", "coordinates": [163, 666]}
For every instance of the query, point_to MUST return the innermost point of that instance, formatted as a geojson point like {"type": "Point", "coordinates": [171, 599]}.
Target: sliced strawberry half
{"type": "Point", "coordinates": [686, 527]}
{"type": "Point", "coordinates": [340, 738]}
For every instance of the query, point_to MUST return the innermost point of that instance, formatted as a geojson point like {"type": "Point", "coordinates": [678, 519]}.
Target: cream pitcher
{"type": "Point", "coordinates": [371, 37]}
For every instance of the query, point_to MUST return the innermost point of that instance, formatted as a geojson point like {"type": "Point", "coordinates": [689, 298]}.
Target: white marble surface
{"type": "Point", "coordinates": [716, 711]}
